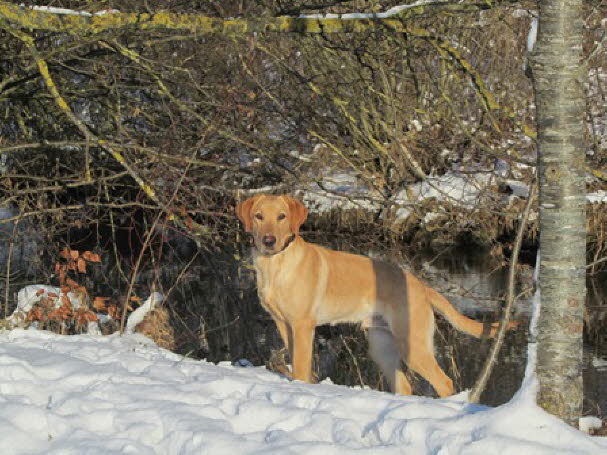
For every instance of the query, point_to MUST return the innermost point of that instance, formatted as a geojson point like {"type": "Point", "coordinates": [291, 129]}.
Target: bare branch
{"type": "Point", "coordinates": [481, 382]}
{"type": "Point", "coordinates": [392, 19]}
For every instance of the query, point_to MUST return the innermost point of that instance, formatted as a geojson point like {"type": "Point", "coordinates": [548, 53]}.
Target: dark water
{"type": "Point", "coordinates": [217, 316]}
{"type": "Point", "coordinates": [476, 284]}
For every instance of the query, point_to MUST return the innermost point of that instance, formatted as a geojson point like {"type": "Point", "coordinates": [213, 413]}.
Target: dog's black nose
{"type": "Point", "coordinates": [269, 240]}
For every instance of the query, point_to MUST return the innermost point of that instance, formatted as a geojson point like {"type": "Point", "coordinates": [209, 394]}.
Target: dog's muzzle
{"type": "Point", "coordinates": [268, 243]}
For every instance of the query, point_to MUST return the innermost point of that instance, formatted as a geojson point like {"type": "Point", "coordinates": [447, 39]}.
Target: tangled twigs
{"type": "Point", "coordinates": [190, 226]}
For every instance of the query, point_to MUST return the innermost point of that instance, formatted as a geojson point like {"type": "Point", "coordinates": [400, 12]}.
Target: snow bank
{"type": "Point", "coordinates": [345, 191]}
{"type": "Point", "coordinates": [100, 395]}
{"type": "Point", "coordinates": [33, 293]}
{"type": "Point", "coordinates": [339, 190]}
{"type": "Point", "coordinates": [463, 190]}
{"type": "Point", "coordinates": [597, 197]}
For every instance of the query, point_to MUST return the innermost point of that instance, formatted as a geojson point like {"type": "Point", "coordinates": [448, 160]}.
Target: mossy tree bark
{"type": "Point", "coordinates": [560, 116]}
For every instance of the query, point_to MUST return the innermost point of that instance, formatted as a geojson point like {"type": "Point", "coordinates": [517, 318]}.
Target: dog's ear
{"type": "Point", "coordinates": [297, 213]}
{"type": "Point", "coordinates": [243, 210]}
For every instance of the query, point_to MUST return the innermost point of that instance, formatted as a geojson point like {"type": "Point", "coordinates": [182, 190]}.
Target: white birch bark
{"type": "Point", "coordinates": [560, 115]}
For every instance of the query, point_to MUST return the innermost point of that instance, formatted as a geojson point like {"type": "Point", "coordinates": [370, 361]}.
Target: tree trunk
{"type": "Point", "coordinates": [560, 115]}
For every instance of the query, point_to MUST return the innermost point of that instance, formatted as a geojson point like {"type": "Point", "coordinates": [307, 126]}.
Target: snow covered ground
{"type": "Point", "coordinates": [91, 394]}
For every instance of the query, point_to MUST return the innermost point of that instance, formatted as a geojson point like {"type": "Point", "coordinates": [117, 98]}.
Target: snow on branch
{"type": "Point", "coordinates": [392, 12]}
{"type": "Point", "coordinates": [140, 313]}
{"type": "Point", "coordinates": [66, 11]}
{"type": "Point", "coordinates": [83, 22]}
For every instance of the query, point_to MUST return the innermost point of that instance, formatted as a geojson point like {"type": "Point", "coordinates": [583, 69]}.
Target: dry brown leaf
{"type": "Point", "coordinates": [112, 311]}
{"type": "Point", "coordinates": [35, 314]}
{"type": "Point", "coordinates": [94, 257]}
{"type": "Point", "coordinates": [99, 303]}
{"type": "Point", "coordinates": [91, 257]}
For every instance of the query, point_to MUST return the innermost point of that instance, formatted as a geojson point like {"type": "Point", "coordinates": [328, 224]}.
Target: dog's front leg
{"type": "Point", "coordinates": [286, 335]}
{"type": "Point", "coordinates": [303, 341]}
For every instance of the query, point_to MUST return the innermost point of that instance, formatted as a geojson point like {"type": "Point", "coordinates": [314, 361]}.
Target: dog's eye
{"type": "Point", "coordinates": [259, 216]}
{"type": "Point", "coordinates": [282, 216]}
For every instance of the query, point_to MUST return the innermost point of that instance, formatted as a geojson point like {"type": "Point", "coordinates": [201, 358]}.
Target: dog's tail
{"type": "Point", "coordinates": [461, 322]}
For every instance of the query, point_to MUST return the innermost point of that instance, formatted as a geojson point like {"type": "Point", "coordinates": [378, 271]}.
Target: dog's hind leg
{"type": "Point", "coordinates": [417, 350]}
{"type": "Point", "coordinates": [385, 353]}
{"type": "Point", "coordinates": [424, 363]}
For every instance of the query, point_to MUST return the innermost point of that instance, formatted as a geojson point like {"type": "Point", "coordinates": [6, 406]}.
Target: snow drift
{"type": "Point", "coordinates": [90, 394]}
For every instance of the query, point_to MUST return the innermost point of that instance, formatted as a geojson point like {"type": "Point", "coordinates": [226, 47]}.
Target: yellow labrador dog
{"type": "Point", "coordinates": [303, 285]}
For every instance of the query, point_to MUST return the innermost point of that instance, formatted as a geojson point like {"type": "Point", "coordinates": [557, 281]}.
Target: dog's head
{"type": "Point", "coordinates": [274, 221]}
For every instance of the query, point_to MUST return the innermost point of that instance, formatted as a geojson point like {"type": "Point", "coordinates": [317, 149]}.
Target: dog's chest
{"type": "Point", "coordinates": [270, 287]}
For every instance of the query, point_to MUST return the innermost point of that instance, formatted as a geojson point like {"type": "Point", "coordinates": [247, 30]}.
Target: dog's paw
{"type": "Point", "coordinates": [283, 370]}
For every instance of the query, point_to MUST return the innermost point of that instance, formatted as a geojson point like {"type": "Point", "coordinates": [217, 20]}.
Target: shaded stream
{"type": "Point", "coordinates": [216, 315]}
{"type": "Point", "coordinates": [474, 282]}
{"type": "Point", "coordinates": [222, 294]}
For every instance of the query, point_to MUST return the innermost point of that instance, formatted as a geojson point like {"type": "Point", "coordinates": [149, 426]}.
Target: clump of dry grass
{"type": "Point", "coordinates": [597, 237]}
{"type": "Point", "coordinates": [156, 326]}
